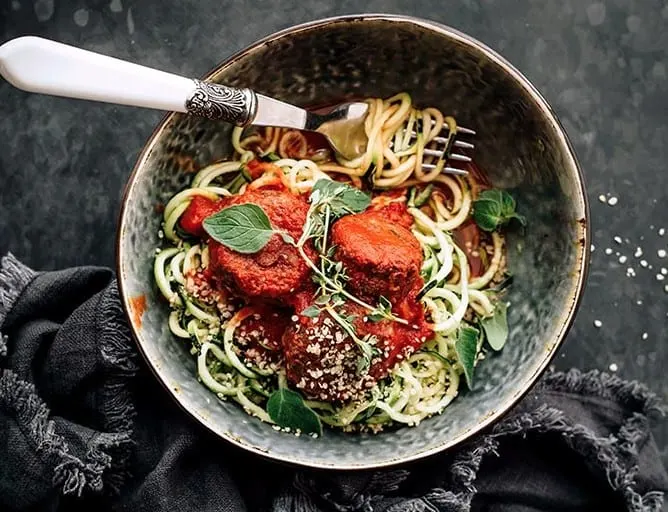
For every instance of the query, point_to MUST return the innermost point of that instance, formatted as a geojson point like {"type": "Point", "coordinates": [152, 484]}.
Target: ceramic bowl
{"type": "Point", "coordinates": [520, 145]}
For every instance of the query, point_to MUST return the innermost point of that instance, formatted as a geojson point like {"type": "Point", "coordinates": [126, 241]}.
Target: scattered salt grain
{"type": "Point", "coordinates": [661, 253]}
{"type": "Point", "coordinates": [639, 302]}
{"type": "Point", "coordinates": [612, 201]}
{"type": "Point", "coordinates": [622, 259]}
{"type": "Point", "coordinates": [664, 271]}
{"type": "Point", "coordinates": [592, 248]}
{"type": "Point", "coordinates": [597, 323]}
{"type": "Point", "coordinates": [602, 198]}
{"type": "Point", "coordinates": [643, 263]}
{"type": "Point", "coordinates": [645, 335]}
{"type": "Point", "coordinates": [630, 272]}
{"type": "Point", "coordinates": [613, 367]}
{"type": "Point", "coordinates": [618, 239]}
{"type": "Point", "coordinates": [660, 277]}
{"type": "Point", "coordinates": [638, 253]}
{"type": "Point", "coordinates": [608, 251]}
{"type": "Point", "coordinates": [662, 232]}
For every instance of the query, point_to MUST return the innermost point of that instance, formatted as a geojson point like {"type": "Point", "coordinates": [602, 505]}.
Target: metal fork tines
{"type": "Point", "coordinates": [455, 157]}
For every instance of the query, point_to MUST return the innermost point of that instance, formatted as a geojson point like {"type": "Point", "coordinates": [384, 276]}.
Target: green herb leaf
{"type": "Point", "coordinates": [369, 351]}
{"type": "Point", "coordinates": [272, 157]}
{"type": "Point", "coordinates": [321, 300]}
{"type": "Point", "coordinates": [383, 310]}
{"type": "Point", "coordinates": [287, 409]}
{"type": "Point", "coordinates": [342, 199]}
{"type": "Point", "coordinates": [244, 228]}
{"type": "Point", "coordinates": [495, 208]}
{"type": "Point", "coordinates": [466, 347]}
{"type": "Point", "coordinates": [496, 326]}
{"type": "Point", "coordinates": [311, 311]}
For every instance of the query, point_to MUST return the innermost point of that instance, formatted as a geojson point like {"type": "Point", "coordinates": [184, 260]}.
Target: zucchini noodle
{"type": "Point", "coordinates": [425, 381]}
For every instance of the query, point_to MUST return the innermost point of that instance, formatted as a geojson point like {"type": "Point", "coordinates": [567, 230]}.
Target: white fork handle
{"type": "Point", "coordinates": [47, 67]}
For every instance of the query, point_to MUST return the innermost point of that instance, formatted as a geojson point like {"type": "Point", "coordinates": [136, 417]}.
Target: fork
{"type": "Point", "coordinates": [39, 65]}
{"type": "Point", "coordinates": [446, 153]}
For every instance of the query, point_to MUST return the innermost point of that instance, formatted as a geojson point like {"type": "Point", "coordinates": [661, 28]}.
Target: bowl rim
{"type": "Point", "coordinates": [566, 318]}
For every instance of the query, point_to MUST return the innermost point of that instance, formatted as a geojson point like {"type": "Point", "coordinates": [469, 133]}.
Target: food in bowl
{"type": "Point", "coordinates": [358, 294]}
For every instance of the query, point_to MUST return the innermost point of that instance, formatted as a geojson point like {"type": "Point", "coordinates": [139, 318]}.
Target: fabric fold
{"type": "Point", "coordinates": [66, 396]}
{"type": "Point", "coordinates": [85, 424]}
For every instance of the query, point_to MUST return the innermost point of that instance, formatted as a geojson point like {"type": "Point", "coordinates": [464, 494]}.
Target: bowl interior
{"type": "Point", "coordinates": [519, 145]}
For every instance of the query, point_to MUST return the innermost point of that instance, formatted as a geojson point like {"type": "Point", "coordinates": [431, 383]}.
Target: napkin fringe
{"type": "Point", "coordinates": [117, 404]}
{"type": "Point", "coordinates": [31, 414]}
{"type": "Point", "coordinates": [613, 457]}
{"type": "Point", "coordinates": [14, 277]}
{"type": "Point", "coordinates": [631, 394]}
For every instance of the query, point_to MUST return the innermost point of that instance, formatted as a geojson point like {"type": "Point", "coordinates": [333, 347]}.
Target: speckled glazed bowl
{"type": "Point", "coordinates": [520, 145]}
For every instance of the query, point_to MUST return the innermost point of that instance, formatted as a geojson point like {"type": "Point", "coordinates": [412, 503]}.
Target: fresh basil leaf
{"type": "Point", "coordinates": [507, 204]}
{"type": "Point", "coordinates": [487, 214]}
{"type": "Point", "coordinates": [342, 199]}
{"type": "Point", "coordinates": [496, 326]}
{"type": "Point", "coordinates": [466, 347]}
{"type": "Point", "coordinates": [494, 208]}
{"type": "Point", "coordinates": [244, 228]}
{"type": "Point", "coordinates": [311, 311]}
{"type": "Point", "coordinates": [288, 410]}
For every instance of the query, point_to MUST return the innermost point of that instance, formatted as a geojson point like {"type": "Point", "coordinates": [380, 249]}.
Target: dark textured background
{"type": "Point", "coordinates": [602, 65]}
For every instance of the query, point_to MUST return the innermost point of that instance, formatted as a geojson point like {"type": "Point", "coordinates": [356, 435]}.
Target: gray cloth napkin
{"type": "Point", "coordinates": [83, 423]}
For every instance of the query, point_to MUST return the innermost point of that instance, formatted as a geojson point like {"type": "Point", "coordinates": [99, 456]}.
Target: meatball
{"type": "Point", "coordinates": [258, 337]}
{"type": "Point", "coordinates": [200, 208]}
{"type": "Point", "coordinates": [322, 360]}
{"type": "Point", "coordinates": [277, 269]}
{"type": "Point", "coordinates": [391, 204]}
{"type": "Point", "coordinates": [380, 257]}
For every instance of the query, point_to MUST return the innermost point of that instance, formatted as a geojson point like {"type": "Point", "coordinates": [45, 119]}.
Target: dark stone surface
{"type": "Point", "coordinates": [602, 65]}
